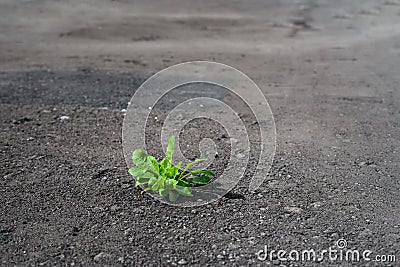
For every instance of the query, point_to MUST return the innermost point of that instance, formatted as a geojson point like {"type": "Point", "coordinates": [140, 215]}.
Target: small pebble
{"type": "Point", "coordinates": [182, 262]}
{"type": "Point", "coordinates": [64, 118]}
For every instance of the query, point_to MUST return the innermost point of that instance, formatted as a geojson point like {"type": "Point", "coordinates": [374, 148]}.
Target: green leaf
{"type": "Point", "coordinates": [154, 162]}
{"type": "Point", "coordinates": [135, 172]}
{"type": "Point", "coordinates": [206, 172]}
{"type": "Point", "coordinates": [199, 180]}
{"type": "Point", "coordinates": [183, 183]}
{"type": "Point", "coordinates": [165, 165]}
{"type": "Point", "coordinates": [188, 166]}
{"type": "Point", "coordinates": [142, 161]}
{"type": "Point", "coordinates": [169, 185]}
{"type": "Point", "coordinates": [172, 172]}
{"type": "Point", "coordinates": [152, 181]}
{"type": "Point", "coordinates": [171, 182]}
{"type": "Point", "coordinates": [193, 163]}
{"type": "Point", "coordinates": [141, 181]}
{"type": "Point", "coordinates": [140, 173]}
{"type": "Point", "coordinates": [183, 190]}
{"type": "Point", "coordinates": [179, 165]}
{"type": "Point", "coordinates": [158, 185]}
{"type": "Point", "coordinates": [170, 149]}
{"type": "Point", "coordinates": [173, 195]}
{"type": "Point", "coordinates": [139, 157]}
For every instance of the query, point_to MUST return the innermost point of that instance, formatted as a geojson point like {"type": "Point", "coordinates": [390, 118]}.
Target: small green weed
{"type": "Point", "coordinates": [165, 178]}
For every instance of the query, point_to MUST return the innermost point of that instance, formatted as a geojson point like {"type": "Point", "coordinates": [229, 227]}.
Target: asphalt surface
{"type": "Point", "coordinates": [329, 72]}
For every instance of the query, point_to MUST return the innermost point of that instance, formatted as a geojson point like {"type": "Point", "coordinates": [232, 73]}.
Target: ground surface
{"type": "Point", "coordinates": [330, 72]}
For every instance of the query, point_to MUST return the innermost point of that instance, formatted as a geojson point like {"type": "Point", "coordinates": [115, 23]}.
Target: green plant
{"type": "Point", "coordinates": [165, 178]}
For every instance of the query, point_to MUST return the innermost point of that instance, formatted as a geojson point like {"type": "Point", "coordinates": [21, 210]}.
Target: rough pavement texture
{"type": "Point", "coordinates": [329, 71]}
